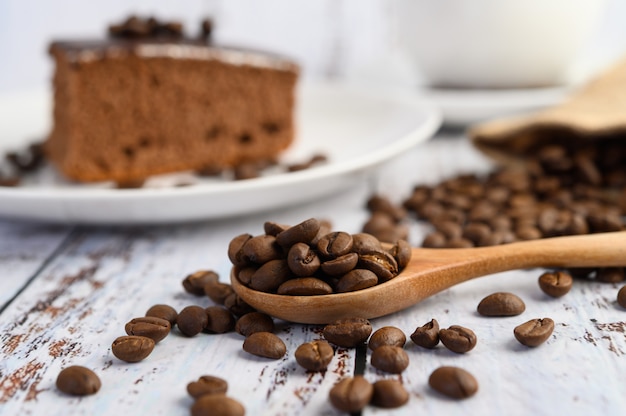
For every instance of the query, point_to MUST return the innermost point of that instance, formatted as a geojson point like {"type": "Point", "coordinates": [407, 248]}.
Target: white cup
{"type": "Point", "coordinates": [496, 43]}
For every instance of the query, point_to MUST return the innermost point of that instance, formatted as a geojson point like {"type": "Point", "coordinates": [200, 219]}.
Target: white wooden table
{"type": "Point", "coordinates": [67, 291]}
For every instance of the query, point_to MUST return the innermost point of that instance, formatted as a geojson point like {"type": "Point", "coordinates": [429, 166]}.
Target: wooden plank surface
{"type": "Point", "coordinates": [99, 278]}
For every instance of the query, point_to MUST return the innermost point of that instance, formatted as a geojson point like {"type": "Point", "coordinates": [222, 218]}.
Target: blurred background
{"type": "Point", "coordinates": [355, 40]}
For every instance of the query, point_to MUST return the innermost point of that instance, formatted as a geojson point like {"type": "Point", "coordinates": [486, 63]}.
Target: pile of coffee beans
{"type": "Point", "coordinates": [309, 259]}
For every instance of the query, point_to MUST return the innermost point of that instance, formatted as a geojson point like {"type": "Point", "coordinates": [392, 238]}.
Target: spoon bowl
{"type": "Point", "coordinates": [433, 270]}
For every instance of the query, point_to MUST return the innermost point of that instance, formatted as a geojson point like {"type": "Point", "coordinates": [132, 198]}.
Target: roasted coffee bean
{"type": "Point", "coordinates": [235, 250]}
{"type": "Point", "coordinates": [348, 332]}
{"type": "Point", "coordinates": [341, 265]}
{"type": "Point", "coordinates": [78, 381]}
{"type": "Point", "coordinates": [270, 276]}
{"type": "Point", "coordinates": [192, 320]}
{"type": "Point", "coordinates": [236, 305]}
{"type": "Point", "coordinates": [379, 224]}
{"type": "Point", "coordinates": [555, 284]}
{"type": "Point", "coordinates": [314, 355]}
{"type": "Point", "coordinates": [325, 228]}
{"type": "Point", "coordinates": [381, 263]}
{"type": "Point", "coordinates": [401, 252]}
{"type": "Point", "coordinates": [453, 382]}
{"type": "Point", "coordinates": [218, 292]}
{"type": "Point", "coordinates": [265, 344]}
{"type": "Point", "coordinates": [151, 327]}
{"type": "Point", "coordinates": [219, 320]}
{"type": "Point", "coordinates": [335, 244]}
{"type": "Point", "coordinates": [389, 394]}
{"type": "Point", "coordinates": [356, 279]}
{"type": "Point", "coordinates": [132, 348]}
{"type": "Point", "coordinates": [300, 233]}
{"type": "Point", "coordinates": [164, 312]}
{"type": "Point", "coordinates": [217, 405]}
{"type": "Point", "coordinates": [378, 203]}
{"type": "Point", "coordinates": [302, 260]}
{"type": "Point", "coordinates": [273, 228]}
{"type": "Point", "coordinates": [435, 240]}
{"type": "Point", "coordinates": [305, 286]}
{"type": "Point", "coordinates": [351, 394]}
{"type": "Point", "coordinates": [365, 243]}
{"type": "Point", "coordinates": [458, 339]}
{"type": "Point", "coordinates": [195, 282]}
{"type": "Point", "coordinates": [475, 231]}
{"type": "Point", "coordinates": [244, 275]}
{"type": "Point", "coordinates": [207, 385]}
{"type": "Point", "coordinates": [262, 248]}
{"type": "Point", "coordinates": [621, 297]}
{"type": "Point", "coordinates": [253, 322]}
{"type": "Point", "coordinates": [387, 335]}
{"type": "Point", "coordinates": [427, 335]}
{"type": "Point", "coordinates": [610, 275]}
{"type": "Point", "coordinates": [390, 358]}
{"type": "Point", "coordinates": [501, 304]}
{"type": "Point", "coordinates": [459, 243]}
{"type": "Point", "coordinates": [534, 332]}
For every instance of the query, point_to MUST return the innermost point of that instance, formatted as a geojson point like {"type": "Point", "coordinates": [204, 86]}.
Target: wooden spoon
{"type": "Point", "coordinates": [432, 270]}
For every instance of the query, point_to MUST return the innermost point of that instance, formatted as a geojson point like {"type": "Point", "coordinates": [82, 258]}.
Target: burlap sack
{"type": "Point", "coordinates": [595, 112]}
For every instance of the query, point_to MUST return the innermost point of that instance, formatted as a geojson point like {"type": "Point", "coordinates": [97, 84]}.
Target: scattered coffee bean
{"type": "Point", "coordinates": [453, 382]}
{"type": "Point", "coordinates": [501, 304]}
{"type": "Point", "coordinates": [253, 322]}
{"type": "Point", "coordinates": [304, 286]}
{"type": "Point", "coordinates": [458, 339]}
{"type": "Point", "coordinates": [217, 405]}
{"type": "Point", "coordinates": [610, 275]}
{"type": "Point", "coordinates": [207, 385]}
{"type": "Point", "coordinates": [236, 305]}
{"type": "Point", "coordinates": [387, 335]}
{"type": "Point", "coordinates": [78, 381]}
{"type": "Point", "coordinates": [151, 327]}
{"type": "Point", "coordinates": [555, 284]}
{"type": "Point", "coordinates": [218, 292]}
{"type": "Point", "coordinates": [132, 348]}
{"type": "Point", "coordinates": [621, 297]}
{"type": "Point", "coordinates": [195, 282]}
{"type": "Point", "coordinates": [427, 335]}
{"type": "Point", "coordinates": [164, 312]}
{"type": "Point", "coordinates": [314, 355]}
{"type": "Point", "coordinates": [349, 332]}
{"type": "Point", "coordinates": [265, 344]}
{"type": "Point", "coordinates": [192, 320]}
{"type": "Point", "coordinates": [389, 394]}
{"type": "Point", "coordinates": [534, 332]}
{"type": "Point", "coordinates": [390, 358]}
{"type": "Point", "coordinates": [351, 394]}
{"type": "Point", "coordinates": [219, 320]}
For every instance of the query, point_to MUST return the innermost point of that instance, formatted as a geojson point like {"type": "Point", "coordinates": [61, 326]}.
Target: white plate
{"type": "Point", "coordinates": [356, 129]}
{"type": "Point", "coordinates": [462, 107]}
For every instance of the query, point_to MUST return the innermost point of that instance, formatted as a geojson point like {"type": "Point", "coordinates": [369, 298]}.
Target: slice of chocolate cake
{"type": "Point", "coordinates": [148, 100]}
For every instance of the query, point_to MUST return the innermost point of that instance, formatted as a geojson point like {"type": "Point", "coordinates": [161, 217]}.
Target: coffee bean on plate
{"type": "Point", "coordinates": [78, 381]}
{"type": "Point", "coordinates": [458, 339]}
{"type": "Point", "coordinates": [314, 355]}
{"type": "Point", "coordinates": [555, 284]}
{"type": "Point", "coordinates": [501, 304]}
{"type": "Point", "coordinates": [207, 385]}
{"type": "Point", "coordinates": [534, 332]}
{"type": "Point", "coordinates": [348, 332]}
{"type": "Point", "coordinates": [351, 394]}
{"type": "Point", "coordinates": [151, 327]}
{"type": "Point", "coordinates": [265, 344]}
{"type": "Point", "coordinates": [387, 335]}
{"type": "Point", "coordinates": [427, 335]}
{"type": "Point", "coordinates": [453, 382]}
{"type": "Point", "coordinates": [389, 394]}
{"type": "Point", "coordinates": [132, 348]}
{"type": "Point", "coordinates": [390, 358]}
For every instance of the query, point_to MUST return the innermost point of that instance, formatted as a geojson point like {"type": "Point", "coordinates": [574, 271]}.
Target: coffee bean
{"type": "Point", "coordinates": [151, 327]}
{"type": "Point", "coordinates": [195, 282]}
{"type": "Point", "coordinates": [244, 275]}
{"type": "Point", "coordinates": [265, 344]}
{"type": "Point", "coordinates": [555, 284]}
{"type": "Point", "coordinates": [261, 249]}
{"type": "Point", "coordinates": [435, 240]}
{"type": "Point", "coordinates": [610, 275]}
{"type": "Point", "coordinates": [387, 335]}
{"type": "Point", "coordinates": [341, 265]}
{"type": "Point", "coordinates": [389, 394]}
{"type": "Point", "coordinates": [356, 279]}
{"type": "Point", "coordinates": [534, 332]}
{"type": "Point", "coordinates": [270, 276]}
{"type": "Point", "coordinates": [348, 332]}
{"type": "Point", "coordinates": [381, 263]}
{"type": "Point", "coordinates": [207, 385]}
{"type": "Point", "coordinates": [132, 348]}
{"type": "Point", "coordinates": [427, 335]}
{"type": "Point", "coordinates": [314, 355]}
{"type": "Point", "coordinates": [164, 312]}
{"type": "Point", "coordinates": [302, 260]}
{"type": "Point", "coordinates": [305, 286]}
{"type": "Point", "coordinates": [300, 233]}
{"type": "Point", "coordinates": [335, 244]}
{"type": "Point", "coordinates": [621, 297]}
{"type": "Point", "coordinates": [253, 322]}
{"type": "Point", "coordinates": [325, 228]}
{"type": "Point", "coordinates": [219, 320]}
{"type": "Point", "coordinates": [453, 382]}
{"type": "Point", "coordinates": [273, 228]}
{"type": "Point", "coordinates": [390, 358]}
{"type": "Point", "coordinates": [235, 250]}
{"type": "Point", "coordinates": [218, 292]}
{"type": "Point", "coordinates": [459, 243]}
{"type": "Point", "coordinates": [458, 339]}
{"type": "Point", "coordinates": [401, 252]}
{"type": "Point", "coordinates": [351, 394]}
{"type": "Point", "coordinates": [78, 381]}
{"type": "Point", "coordinates": [217, 405]}
{"type": "Point", "coordinates": [377, 203]}
{"type": "Point", "coordinates": [501, 304]}
{"type": "Point", "coordinates": [236, 305]}
{"type": "Point", "coordinates": [192, 320]}
{"type": "Point", "coordinates": [365, 243]}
